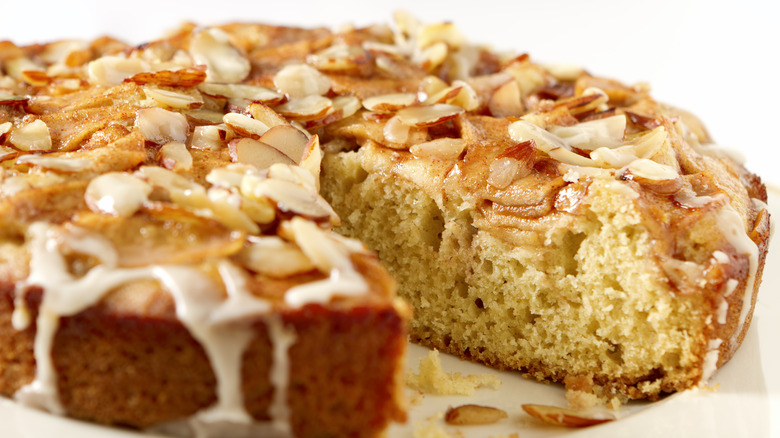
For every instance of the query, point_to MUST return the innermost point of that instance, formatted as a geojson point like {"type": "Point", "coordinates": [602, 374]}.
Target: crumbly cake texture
{"type": "Point", "coordinates": [166, 261]}
{"type": "Point", "coordinates": [543, 219]}
{"type": "Point", "coordinates": [536, 218]}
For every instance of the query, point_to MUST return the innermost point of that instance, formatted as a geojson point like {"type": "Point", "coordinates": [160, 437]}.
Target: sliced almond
{"type": "Point", "coordinates": [287, 139]}
{"type": "Point", "coordinates": [430, 86]}
{"type": "Point", "coordinates": [386, 103]}
{"type": "Point", "coordinates": [256, 153]}
{"type": "Point", "coordinates": [186, 77]}
{"type": "Point", "coordinates": [293, 198]}
{"type": "Point", "coordinates": [396, 132]}
{"type": "Point", "coordinates": [312, 158]}
{"type": "Point", "coordinates": [264, 113]}
{"type": "Point", "coordinates": [172, 99]}
{"type": "Point", "coordinates": [570, 157]}
{"type": "Point", "coordinates": [339, 58]}
{"type": "Point", "coordinates": [522, 130]}
{"type": "Point", "coordinates": [301, 80]}
{"type": "Point", "coordinates": [441, 148]}
{"type": "Point", "coordinates": [112, 70]}
{"type": "Point", "coordinates": [162, 126]}
{"type": "Point", "coordinates": [305, 108]}
{"type": "Point", "coordinates": [431, 57]}
{"type": "Point", "coordinates": [245, 125]}
{"type": "Point", "coordinates": [472, 415]}
{"type": "Point", "coordinates": [565, 417]}
{"type": "Point", "coordinates": [36, 78]}
{"type": "Point", "coordinates": [252, 93]}
{"type": "Point", "coordinates": [445, 32]}
{"type": "Point", "coordinates": [657, 177]}
{"type": "Point", "coordinates": [348, 105]}
{"type": "Point", "coordinates": [428, 115]}
{"type": "Point", "coordinates": [274, 257]}
{"type": "Point", "coordinates": [116, 193]}
{"type": "Point", "coordinates": [224, 63]}
{"type": "Point", "coordinates": [176, 157]}
{"type": "Point", "coordinates": [606, 132]}
{"type": "Point", "coordinates": [63, 164]}
{"type": "Point", "coordinates": [210, 137]}
{"type": "Point", "coordinates": [505, 101]}
{"type": "Point", "coordinates": [11, 99]}
{"type": "Point", "coordinates": [33, 136]}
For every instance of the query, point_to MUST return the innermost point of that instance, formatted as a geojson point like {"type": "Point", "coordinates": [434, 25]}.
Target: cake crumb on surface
{"type": "Point", "coordinates": [432, 379]}
{"type": "Point", "coordinates": [430, 429]}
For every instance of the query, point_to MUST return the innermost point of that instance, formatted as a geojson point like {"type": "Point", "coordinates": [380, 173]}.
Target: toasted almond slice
{"type": "Point", "coordinates": [429, 86]}
{"type": "Point", "coordinates": [339, 57]}
{"type": "Point", "coordinates": [256, 153]}
{"type": "Point", "coordinates": [614, 157]}
{"type": "Point", "coordinates": [348, 105]}
{"type": "Point", "coordinates": [444, 95]}
{"type": "Point", "coordinates": [431, 57]}
{"type": "Point", "coordinates": [264, 113]}
{"type": "Point", "coordinates": [505, 101]}
{"type": "Point", "coordinates": [116, 193]}
{"type": "Point", "coordinates": [570, 157]}
{"type": "Point", "coordinates": [224, 63]}
{"type": "Point", "coordinates": [503, 172]}
{"type": "Point", "coordinates": [606, 132]}
{"type": "Point", "coordinates": [210, 137]}
{"type": "Point", "coordinates": [186, 77]}
{"type": "Point", "coordinates": [312, 158]}
{"type": "Point", "coordinates": [396, 132]}
{"type": "Point", "coordinates": [466, 98]}
{"type": "Point", "coordinates": [36, 78]}
{"type": "Point", "coordinates": [64, 164]}
{"type": "Point", "coordinates": [657, 177]}
{"type": "Point", "coordinates": [445, 32]}
{"type": "Point", "coordinates": [112, 70]}
{"type": "Point", "coordinates": [252, 93]}
{"type": "Point", "coordinates": [175, 156]}
{"type": "Point", "coordinates": [288, 140]}
{"type": "Point", "coordinates": [471, 415]}
{"type": "Point", "coordinates": [172, 99]}
{"type": "Point", "coordinates": [274, 257]}
{"type": "Point", "coordinates": [441, 148]}
{"type": "Point", "coordinates": [301, 80]}
{"type": "Point", "coordinates": [386, 103]}
{"type": "Point", "coordinates": [428, 115]}
{"type": "Point", "coordinates": [293, 198]}
{"type": "Point", "coordinates": [33, 136]}
{"type": "Point", "coordinates": [11, 99]}
{"type": "Point", "coordinates": [161, 126]}
{"type": "Point", "coordinates": [522, 130]}
{"type": "Point", "coordinates": [245, 125]}
{"type": "Point", "coordinates": [306, 108]}
{"type": "Point", "coordinates": [565, 417]}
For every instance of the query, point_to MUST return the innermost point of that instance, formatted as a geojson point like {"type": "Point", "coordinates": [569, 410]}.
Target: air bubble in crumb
{"type": "Point", "coordinates": [432, 379]}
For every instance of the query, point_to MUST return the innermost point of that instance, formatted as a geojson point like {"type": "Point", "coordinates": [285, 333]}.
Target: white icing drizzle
{"type": "Point", "coordinates": [710, 364]}
{"type": "Point", "coordinates": [733, 228]}
{"type": "Point", "coordinates": [219, 324]}
{"type": "Point", "coordinates": [282, 338]}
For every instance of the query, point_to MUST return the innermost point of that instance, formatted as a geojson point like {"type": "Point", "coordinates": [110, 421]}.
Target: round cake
{"type": "Point", "coordinates": [172, 253]}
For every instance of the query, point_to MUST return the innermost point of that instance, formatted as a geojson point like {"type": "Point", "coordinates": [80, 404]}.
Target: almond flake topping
{"type": "Point", "coordinates": [116, 193]}
{"type": "Point", "coordinates": [305, 108]}
{"type": "Point", "coordinates": [251, 93]}
{"type": "Point", "coordinates": [565, 417]}
{"type": "Point", "coordinates": [176, 157]}
{"type": "Point", "coordinates": [428, 115]}
{"type": "Point", "coordinates": [224, 63]}
{"type": "Point", "coordinates": [470, 415]}
{"type": "Point", "coordinates": [274, 257]}
{"type": "Point", "coordinates": [65, 164]}
{"type": "Point", "coordinates": [244, 125]}
{"type": "Point", "coordinates": [33, 136]}
{"type": "Point", "coordinates": [172, 99]}
{"type": "Point", "coordinates": [301, 80]}
{"type": "Point", "coordinates": [161, 126]}
{"type": "Point", "coordinates": [441, 148]}
{"type": "Point", "coordinates": [256, 153]}
{"type": "Point", "coordinates": [386, 103]}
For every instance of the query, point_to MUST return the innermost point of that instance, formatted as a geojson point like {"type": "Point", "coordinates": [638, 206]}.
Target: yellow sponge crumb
{"type": "Point", "coordinates": [432, 379]}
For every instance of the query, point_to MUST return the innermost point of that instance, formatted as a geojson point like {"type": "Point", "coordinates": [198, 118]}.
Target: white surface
{"type": "Point", "coordinates": [717, 59]}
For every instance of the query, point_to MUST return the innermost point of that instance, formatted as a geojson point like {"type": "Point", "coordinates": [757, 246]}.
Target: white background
{"type": "Point", "coordinates": [717, 59]}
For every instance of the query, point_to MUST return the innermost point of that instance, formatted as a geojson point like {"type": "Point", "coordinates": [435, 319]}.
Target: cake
{"type": "Point", "coordinates": [166, 261]}
{"type": "Point", "coordinates": [548, 220]}
{"type": "Point", "coordinates": [168, 264]}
